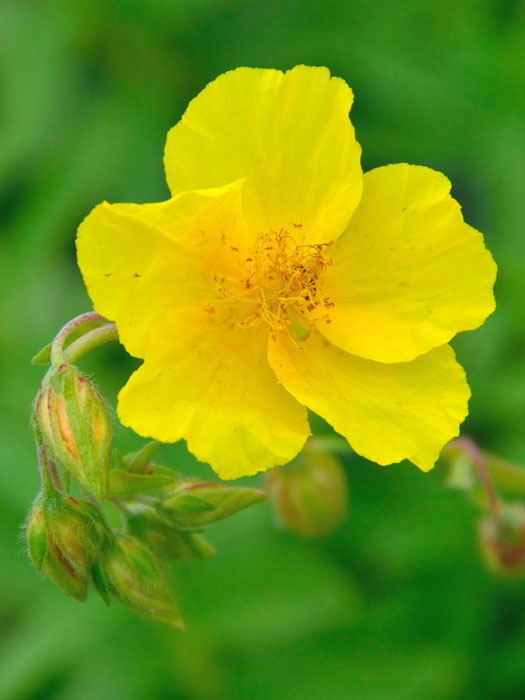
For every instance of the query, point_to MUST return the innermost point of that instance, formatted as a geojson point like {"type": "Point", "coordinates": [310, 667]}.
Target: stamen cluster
{"type": "Point", "coordinates": [282, 278]}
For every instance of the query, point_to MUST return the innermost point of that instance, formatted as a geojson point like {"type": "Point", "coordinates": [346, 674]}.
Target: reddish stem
{"type": "Point", "coordinates": [479, 461]}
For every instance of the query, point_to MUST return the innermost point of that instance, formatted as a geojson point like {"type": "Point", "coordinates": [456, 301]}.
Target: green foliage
{"type": "Point", "coordinates": [397, 605]}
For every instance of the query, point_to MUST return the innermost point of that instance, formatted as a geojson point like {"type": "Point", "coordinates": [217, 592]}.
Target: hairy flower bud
{"type": "Point", "coordinates": [134, 576]}
{"type": "Point", "coordinates": [310, 495]}
{"type": "Point", "coordinates": [502, 541]}
{"type": "Point", "coordinates": [64, 539]}
{"type": "Point", "coordinates": [191, 504]}
{"type": "Point", "coordinates": [74, 424]}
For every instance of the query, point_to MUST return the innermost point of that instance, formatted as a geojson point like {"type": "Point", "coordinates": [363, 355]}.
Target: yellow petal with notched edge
{"type": "Point", "coordinates": [141, 260]}
{"type": "Point", "coordinates": [409, 273]}
{"type": "Point", "coordinates": [207, 380]}
{"type": "Point", "coordinates": [288, 134]}
{"type": "Point", "coordinates": [387, 412]}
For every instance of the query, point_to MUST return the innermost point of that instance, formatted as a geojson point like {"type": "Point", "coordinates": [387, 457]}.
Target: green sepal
{"type": "Point", "coordinates": [186, 503]}
{"type": "Point", "coordinates": [99, 583]}
{"type": "Point", "coordinates": [156, 530]}
{"type": "Point", "coordinates": [36, 534]}
{"type": "Point", "coordinates": [138, 461]}
{"type": "Point", "coordinates": [123, 483]}
{"type": "Point", "coordinates": [43, 356]}
{"type": "Point", "coordinates": [69, 581]}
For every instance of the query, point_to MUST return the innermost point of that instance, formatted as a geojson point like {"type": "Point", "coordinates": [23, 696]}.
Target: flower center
{"type": "Point", "coordinates": [280, 287]}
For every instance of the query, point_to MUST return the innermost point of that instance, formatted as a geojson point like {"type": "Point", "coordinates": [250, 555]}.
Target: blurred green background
{"type": "Point", "coordinates": [397, 604]}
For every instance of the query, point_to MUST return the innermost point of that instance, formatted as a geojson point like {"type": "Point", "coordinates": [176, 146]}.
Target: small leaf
{"type": "Point", "coordinates": [139, 460]}
{"type": "Point", "coordinates": [43, 357]}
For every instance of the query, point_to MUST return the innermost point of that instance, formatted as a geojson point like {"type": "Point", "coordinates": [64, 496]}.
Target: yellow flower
{"type": "Point", "coordinates": [279, 277]}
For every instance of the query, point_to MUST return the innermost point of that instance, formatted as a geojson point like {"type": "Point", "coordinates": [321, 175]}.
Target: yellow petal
{"type": "Point", "coordinates": [208, 380]}
{"type": "Point", "coordinates": [409, 273]}
{"type": "Point", "coordinates": [288, 134]}
{"type": "Point", "coordinates": [387, 412]}
{"type": "Point", "coordinates": [141, 260]}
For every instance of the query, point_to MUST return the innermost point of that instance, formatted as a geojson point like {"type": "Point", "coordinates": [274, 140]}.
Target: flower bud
{"type": "Point", "coordinates": [154, 528]}
{"type": "Point", "coordinates": [74, 533]}
{"type": "Point", "coordinates": [74, 424]}
{"type": "Point", "coordinates": [310, 495]}
{"type": "Point", "coordinates": [192, 505]}
{"type": "Point", "coordinates": [502, 541]}
{"type": "Point", "coordinates": [135, 578]}
{"type": "Point", "coordinates": [64, 537]}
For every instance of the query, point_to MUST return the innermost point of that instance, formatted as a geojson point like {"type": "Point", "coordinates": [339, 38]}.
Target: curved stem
{"type": "Point", "coordinates": [57, 348]}
{"type": "Point", "coordinates": [480, 464]}
{"type": "Point", "coordinates": [92, 339]}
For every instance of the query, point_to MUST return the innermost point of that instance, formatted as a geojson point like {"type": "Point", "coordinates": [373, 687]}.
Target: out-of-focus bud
{"type": "Point", "coordinates": [193, 505]}
{"type": "Point", "coordinates": [74, 424]}
{"type": "Point", "coordinates": [36, 533]}
{"type": "Point", "coordinates": [502, 541]}
{"type": "Point", "coordinates": [310, 495]}
{"type": "Point", "coordinates": [461, 473]}
{"type": "Point", "coordinates": [134, 576]}
{"type": "Point", "coordinates": [64, 540]}
{"type": "Point", "coordinates": [150, 526]}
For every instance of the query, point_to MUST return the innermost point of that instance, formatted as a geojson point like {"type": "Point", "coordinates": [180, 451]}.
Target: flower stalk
{"type": "Point", "coordinates": [485, 477]}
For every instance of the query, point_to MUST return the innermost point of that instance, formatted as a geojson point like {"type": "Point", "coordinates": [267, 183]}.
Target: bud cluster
{"type": "Point", "coordinates": [171, 521]}
{"type": "Point", "coordinates": [163, 513]}
{"type": "Point", "coordinates": [69, 539]}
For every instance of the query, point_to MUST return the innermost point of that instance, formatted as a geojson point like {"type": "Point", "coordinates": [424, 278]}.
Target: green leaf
{"type": "Point", "coordinates": [43, 356]}
{"type": "Point", "coordinates": [139, 460]}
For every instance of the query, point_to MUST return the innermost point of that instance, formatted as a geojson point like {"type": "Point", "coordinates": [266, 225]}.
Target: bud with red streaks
{"type": "Point", "coordinates": [502, 541]}
{"type": "Point", "coordinates": [65, 537]}
{"type": "Point", "coordinates": [74, 425]}
{"type": "Point", "coordinates": [134, 576]}
{"type": "Point", "coordinates": [191, 504]}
